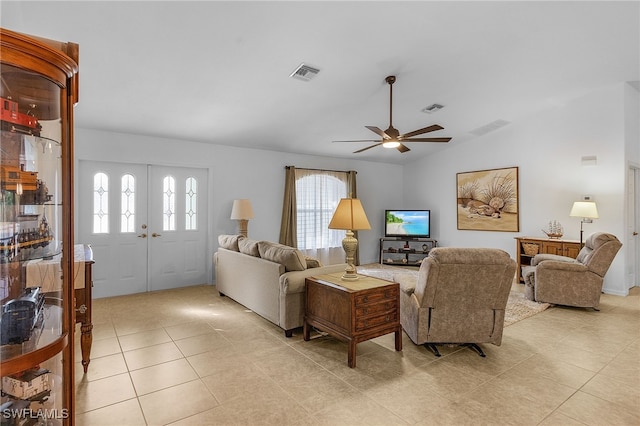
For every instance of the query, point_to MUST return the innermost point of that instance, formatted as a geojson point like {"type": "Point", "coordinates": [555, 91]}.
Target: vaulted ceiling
{"type": "Point", "coordinates": [219, 72]}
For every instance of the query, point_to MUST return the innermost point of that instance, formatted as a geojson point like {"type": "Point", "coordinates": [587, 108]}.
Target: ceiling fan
{"type": "Point", "coordinates": [391, 138]}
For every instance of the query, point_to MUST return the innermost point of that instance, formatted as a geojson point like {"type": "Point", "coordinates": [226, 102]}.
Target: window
{"type": "Point", "coordinates": [128, 203]}
{"type": "Point", "coordinates": [191, 205]}
{"type": "Point", "coordinates": [100, 203]}
{"type": "Point", "coordinates": [317, 196]}
{"type": "Point", "coordinates": [168, 203]}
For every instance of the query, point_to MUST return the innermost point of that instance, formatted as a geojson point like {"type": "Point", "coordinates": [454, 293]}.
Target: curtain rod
{"type": "Point", "coordinates": [321, 170]}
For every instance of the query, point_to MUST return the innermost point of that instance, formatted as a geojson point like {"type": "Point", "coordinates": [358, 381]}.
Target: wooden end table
{"type": "Point", "coordinates": [352, 311]}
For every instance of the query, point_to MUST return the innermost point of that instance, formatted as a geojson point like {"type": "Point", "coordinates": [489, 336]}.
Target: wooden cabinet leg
{"type": "Point", "coordinates": [351, 358]}
{"type": "Point", "coordinates": [306, 332]}
{"type": "Point", "coordinates": [86, 339]}
{"type": "Point", "coordinates": [399, 339]}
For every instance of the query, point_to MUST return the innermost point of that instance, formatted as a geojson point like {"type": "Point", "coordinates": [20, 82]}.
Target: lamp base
{"type": "Point", "coordinates": [347, 276]}
{"type": "Point", "coordinates": [243, 226]}
{"type": "Point", "coordinates": [350, 245]}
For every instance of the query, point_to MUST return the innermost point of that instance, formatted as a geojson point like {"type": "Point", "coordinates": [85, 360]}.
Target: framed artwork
{"type": "Point", "coordinates": [488, 200]}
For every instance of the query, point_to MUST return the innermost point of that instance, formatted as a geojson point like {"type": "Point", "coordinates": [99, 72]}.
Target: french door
{"type": "Point", "coordinates": [147, 225]}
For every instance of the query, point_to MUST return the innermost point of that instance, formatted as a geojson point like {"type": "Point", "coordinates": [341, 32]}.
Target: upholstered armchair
{"type": "Point", "coordinates": [572, 282]}
{"type": "Point", "coordinates": [459, 297]}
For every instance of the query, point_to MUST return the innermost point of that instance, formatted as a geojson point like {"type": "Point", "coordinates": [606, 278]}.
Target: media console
{"type": "Point", "coordinates": [404, 251]}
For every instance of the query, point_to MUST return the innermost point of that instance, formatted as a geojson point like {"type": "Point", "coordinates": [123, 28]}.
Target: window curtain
{"type": "Point", "coordinates": [323, 244]}
{"type": "Point", "coordinates": [289, 223]}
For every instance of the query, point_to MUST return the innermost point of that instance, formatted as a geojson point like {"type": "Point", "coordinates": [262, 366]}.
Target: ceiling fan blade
{"type": "Point", "coordinates": [369, 147]}
{"type": "Point", "coordinates": [358, 140]}
{"type": "Point", "coordinates": [378, 131]}
{"type": "Point", "coordinates": [431, 128]}
{"type": "Point", "coordinates": [427, 140]}
{"type": "Point", "coordinates": [403, 148]}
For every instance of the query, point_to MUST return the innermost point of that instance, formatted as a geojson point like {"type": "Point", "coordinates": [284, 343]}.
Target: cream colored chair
{"type": "Point", "coordinates": [572, 282]}
{"type": "Point", "coordinates": [459, 297]}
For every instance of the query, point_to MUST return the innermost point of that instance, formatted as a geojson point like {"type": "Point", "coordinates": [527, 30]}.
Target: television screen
{"type": "Point", "coordinates": [407, 223]}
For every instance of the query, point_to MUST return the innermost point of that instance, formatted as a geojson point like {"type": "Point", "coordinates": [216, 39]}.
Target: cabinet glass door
{"type": "Point", "coordinates": [33, 293]}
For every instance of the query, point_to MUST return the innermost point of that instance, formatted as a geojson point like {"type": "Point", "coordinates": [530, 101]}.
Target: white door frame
{"type": "Point", "coordinates": [633, 226]}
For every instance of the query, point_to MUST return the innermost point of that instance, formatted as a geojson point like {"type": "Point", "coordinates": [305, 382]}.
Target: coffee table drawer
{"type": "Point", "coordinates": [372, 322]}
{"type": "Point", "coordinates": [374, 309]}
{"type": "Point", "coordinates": [376, 296]}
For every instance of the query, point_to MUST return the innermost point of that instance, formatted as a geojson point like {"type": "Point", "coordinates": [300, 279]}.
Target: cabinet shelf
{"type": "Point", "coordinates": [398, 251]}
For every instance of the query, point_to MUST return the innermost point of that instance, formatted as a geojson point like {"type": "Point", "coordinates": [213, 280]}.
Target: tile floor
{"type": "Point", "coordinates": [190, 357]}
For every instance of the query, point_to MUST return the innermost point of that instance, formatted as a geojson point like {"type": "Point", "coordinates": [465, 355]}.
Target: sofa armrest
{"type": "Point", "coordinates": [545, 256]}
{"type": "Point", "coordinates": [293, 281]}
{"type": "Point", "coordinates": [561, 265]}
{"type": "Point", "coordinates": [407, 282]}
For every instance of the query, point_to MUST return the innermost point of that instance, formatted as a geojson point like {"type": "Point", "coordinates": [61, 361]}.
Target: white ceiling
{"type": "Point", "coordinates": [218, 72]}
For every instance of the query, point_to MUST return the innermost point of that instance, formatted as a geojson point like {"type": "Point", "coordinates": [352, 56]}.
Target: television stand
{"type": "Point", "coordinates": [404, 251]}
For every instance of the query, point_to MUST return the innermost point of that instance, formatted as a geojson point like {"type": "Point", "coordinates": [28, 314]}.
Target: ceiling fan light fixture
{"type": "Point", "coordinates": [391, 144]}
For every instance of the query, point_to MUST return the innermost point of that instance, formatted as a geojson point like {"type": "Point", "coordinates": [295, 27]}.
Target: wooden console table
{"type": "Point", "coordinates": [353, 311]}
{"type": "Point", "coordinates": [83, 305]}
{"type": "Point", "coordinates": [528, 247]}
{"type": "Point", "coordinates": [46, 274]}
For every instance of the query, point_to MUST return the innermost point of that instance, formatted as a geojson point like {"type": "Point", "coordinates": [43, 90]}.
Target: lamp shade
{"type": "Point", "coordinates": [349, 215]}
{"type": "Point", "coordinates": [586, 209]}
{"type": "Point", "coordinates": [242, 209]}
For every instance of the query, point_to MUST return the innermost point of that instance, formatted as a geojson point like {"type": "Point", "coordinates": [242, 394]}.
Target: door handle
{"type": "Point", "coordinates": [635, 233]}
{"type": "Point", "coordinates": [155, 234]}
{"type": "Point", "coordinates": [142, 236]}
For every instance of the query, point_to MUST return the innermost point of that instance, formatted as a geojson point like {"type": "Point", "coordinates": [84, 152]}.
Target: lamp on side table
{"type": "Point", "coordinates": [242, 212]}
{"type": "Point", "coordinates": [350, 216]}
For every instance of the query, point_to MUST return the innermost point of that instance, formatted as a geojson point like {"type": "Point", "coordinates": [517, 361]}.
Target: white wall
{"type": "Point", "coordinates": [548, 149]}
{"type": "Point", "coordinates": [248, 173]}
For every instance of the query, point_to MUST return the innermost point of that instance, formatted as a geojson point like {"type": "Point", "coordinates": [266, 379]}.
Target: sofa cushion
{"type": "Point", "coordinates": [248, 246]}
{"type": "Point", "coordinates": [229, 242]}
{"type": "Point", "coordinates": [291, 258]}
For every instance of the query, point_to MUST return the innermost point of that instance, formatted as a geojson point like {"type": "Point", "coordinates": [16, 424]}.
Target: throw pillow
{"type": "Point", "coordinates": [291, 258]}
{"type": "Point", "coordinates": [312, 262]}
{"type": "Point", "coordinates": [229, 242]}
{"type": "Point", "coordinates": [248, 246]}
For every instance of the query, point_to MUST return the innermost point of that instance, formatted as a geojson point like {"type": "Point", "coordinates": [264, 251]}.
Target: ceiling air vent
{"type": "Point", "coordinates": [305, 72]}
{"type": "Point", "coordinates": [494, 125]}
{"type": "Point", "coordinates": [432, 108]}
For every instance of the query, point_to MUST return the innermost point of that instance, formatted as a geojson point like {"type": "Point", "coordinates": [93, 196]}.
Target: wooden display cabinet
{"type": "Point", "coordinates": [528, 247]}
{"type": "Point", "coordinates": [38, 90]}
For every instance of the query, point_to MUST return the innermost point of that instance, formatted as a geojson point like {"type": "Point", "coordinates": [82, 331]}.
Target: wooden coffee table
{"type": "Point", "coordinates": [352, 311]}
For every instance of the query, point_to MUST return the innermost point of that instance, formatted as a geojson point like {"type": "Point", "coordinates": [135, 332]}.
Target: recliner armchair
{"type": "Point", "coordinates": [576, 282]}
{"type": "Point", "coordinates": [459, 297]}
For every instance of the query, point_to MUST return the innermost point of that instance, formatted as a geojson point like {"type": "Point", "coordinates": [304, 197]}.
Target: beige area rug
{"type": "Point", "coordinates": [518, 308]}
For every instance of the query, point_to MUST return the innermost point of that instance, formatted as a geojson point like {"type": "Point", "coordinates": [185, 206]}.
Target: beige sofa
{"type": "Point", "coordinates": [266, 277]}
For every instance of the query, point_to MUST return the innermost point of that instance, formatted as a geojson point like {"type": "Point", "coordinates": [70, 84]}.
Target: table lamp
{"type": "Point", "coordinates": [350, 216]}
{"type": "Point", "coordinates": [242, 212]}
{"type": "Point", "coordinates": [586, 210]}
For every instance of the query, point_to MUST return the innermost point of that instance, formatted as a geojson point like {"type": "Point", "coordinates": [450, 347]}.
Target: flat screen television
{"type": "Point", "coordinates": [407, 223]}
